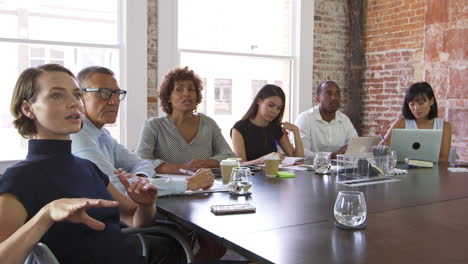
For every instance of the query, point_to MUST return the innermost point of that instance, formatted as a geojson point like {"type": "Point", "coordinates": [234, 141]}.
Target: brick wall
{"type": "Point", "coordinates": [446, 64]}
{"type": "Point", "coordinates": [331, 53]}
{"type": "Point", "coordinates": [152, 50]}
{"type": "Point", "coordinates": [407, 41]}
{"type": "Point", "coordinates": [393, 45]}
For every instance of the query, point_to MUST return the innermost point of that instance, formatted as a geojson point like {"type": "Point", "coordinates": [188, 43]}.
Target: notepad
{"type": "Point", "coordinates": [285, 174]}
{"type": "Point", "coordinates": [414, 163]}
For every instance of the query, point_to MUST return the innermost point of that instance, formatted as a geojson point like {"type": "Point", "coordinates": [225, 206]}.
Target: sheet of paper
{"type": "Point", "coordinates": [291, 160]}
{"type": "Point", "coordinates": [451, 169]}
{"type": "Point", "coordinates": [217, 185]}
{"type": "Point", "coordinates": [296, 167]}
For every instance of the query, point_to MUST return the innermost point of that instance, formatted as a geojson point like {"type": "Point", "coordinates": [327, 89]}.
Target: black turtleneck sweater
{"type": "Point", "coordinates": [51, 172]}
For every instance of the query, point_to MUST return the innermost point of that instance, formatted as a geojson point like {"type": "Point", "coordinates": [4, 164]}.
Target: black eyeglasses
{"type": "Point", "coordinates": [106, 93]}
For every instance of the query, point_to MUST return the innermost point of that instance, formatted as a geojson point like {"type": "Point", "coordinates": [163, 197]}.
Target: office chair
{"type": "Point", "coordinates": [453, 156]}
{"type": "Point", "coordinates": [41, 254]}
{"type": "Point", "coordinates": [164, 229]}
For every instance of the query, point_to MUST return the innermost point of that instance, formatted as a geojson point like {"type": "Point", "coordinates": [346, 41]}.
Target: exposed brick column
{"type": "Point", "coordinates": [353, 110]}
{"type": "Point", "coordinates": [152, 106]}
{"type": "Point", "coordinates": [331, 45]}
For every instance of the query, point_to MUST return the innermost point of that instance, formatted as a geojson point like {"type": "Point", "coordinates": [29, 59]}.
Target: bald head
{"type": "Point", "coordinates": [329, 97]}
{"type": "Point", "coordinates": [325, 84]}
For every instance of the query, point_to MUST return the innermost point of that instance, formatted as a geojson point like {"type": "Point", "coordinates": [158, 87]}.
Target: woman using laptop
{"type": "Point", "coordinates": [420, 112]}
{"type": "Point", "coordinates": [261, 130]}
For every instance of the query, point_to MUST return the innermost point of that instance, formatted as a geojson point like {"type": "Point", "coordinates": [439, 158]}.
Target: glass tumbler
{"type": "Point", "coordinates": [322, 159]}
{"type": "Point", "coordinates": [350, 208]}
{"type": "Point", "coordinates": [392, 161]}
{"type": "Point", "coordinates": [240, 182]}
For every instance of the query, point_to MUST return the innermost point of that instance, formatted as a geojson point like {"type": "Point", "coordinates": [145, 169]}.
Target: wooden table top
{"type": "Point", "coordinates": [295, 215]}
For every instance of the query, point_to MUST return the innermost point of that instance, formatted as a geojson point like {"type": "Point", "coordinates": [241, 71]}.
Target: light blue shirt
{"type": "Point", "coordinates": [98, 146]}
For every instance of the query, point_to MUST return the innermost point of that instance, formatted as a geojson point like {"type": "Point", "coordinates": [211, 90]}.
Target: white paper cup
{"type": "Point", "coordinates": [226, 168]}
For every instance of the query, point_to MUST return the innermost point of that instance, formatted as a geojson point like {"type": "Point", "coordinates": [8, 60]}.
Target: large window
{"type": "Point", "coordinates": [236, 46]}
{"type": "Point", "coordinates": [232, 52]}
{"type": "Point", "coordinates": [75, 34]}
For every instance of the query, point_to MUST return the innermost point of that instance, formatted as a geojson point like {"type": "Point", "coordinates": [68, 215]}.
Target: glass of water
{"type": "Point", "coordinates": [322, 159]}
{"type": "Point", "coordinates": [350, 209]}
{"type": "Point", "coordinates": [392, 161]}
{"type": "Point", "coordinates": [240, 182]}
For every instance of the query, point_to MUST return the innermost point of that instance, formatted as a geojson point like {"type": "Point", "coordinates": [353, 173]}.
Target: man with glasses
{"type": "Point", "coordinates": [101, 98]}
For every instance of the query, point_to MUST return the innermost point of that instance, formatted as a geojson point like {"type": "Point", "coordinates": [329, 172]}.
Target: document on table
{"type": "Point", "coordinates": [456, 169]}
{"type": "Point", "coordinates": [288, 161]}
{"type": "Point", "coordinates": [218, 186]}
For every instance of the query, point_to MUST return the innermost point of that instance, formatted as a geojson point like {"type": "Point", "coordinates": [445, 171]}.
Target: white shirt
{"type": "Point", "coordinates": [321, 136]}
{"type": "Point", "coordinates": [98, 146]}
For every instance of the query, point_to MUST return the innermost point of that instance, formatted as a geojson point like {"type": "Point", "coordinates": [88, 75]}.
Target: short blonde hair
{"type": "Point", "coordinates": [26, 89]}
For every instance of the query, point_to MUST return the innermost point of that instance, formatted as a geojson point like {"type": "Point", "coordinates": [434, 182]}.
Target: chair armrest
{"type": "Point", "coordinates": [165, 229]}
{"type": "Point", "coordinates": [41, 254]}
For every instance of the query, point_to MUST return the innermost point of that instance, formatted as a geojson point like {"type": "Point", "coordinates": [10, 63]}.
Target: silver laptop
{"type": "Point", "coordinates": [423, 144]}
{"type": "Point", "coordinates": [362, 144]}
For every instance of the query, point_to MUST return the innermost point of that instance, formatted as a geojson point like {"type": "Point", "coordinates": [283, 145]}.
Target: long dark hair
{"type": "Point", "coordinates": [268, 90]}
{"type": "Point", "coordinates": [420, 89]}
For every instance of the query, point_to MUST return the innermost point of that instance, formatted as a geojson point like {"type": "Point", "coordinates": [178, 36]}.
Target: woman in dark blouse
{"type": "Point", "coordinates": [261, 129]}
{"type": "Point", "coordinates": [43, 197]}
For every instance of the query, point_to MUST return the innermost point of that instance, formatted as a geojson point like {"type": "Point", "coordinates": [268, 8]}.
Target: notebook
{"type": "Point", "coordinates": [422, 144]}
{"type": "Point", "coordinates": [362, 144]}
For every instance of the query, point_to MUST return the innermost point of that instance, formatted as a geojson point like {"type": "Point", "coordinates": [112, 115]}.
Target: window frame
{"type": "Point", "coordinates": [301, 50]}
{"type": "Point", "coordinates": [132, 28]}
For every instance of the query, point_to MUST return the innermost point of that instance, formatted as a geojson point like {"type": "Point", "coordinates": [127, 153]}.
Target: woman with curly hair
{"type": "Point", "coordinates": [182, 139]}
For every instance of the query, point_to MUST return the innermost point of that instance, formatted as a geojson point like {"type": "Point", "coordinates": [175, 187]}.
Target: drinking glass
{"type": "Point", "coordinates": [240, 182]}
{"type": "Point", "coordinates": [322, 159]}
{"type": "Point", "coordinates": [350, 208]}
{"type": "Point", "coordinates": [392, 161]}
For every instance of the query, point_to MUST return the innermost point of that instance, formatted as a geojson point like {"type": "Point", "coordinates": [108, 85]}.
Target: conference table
{"type": "Point", "coordinates": [422, 218]}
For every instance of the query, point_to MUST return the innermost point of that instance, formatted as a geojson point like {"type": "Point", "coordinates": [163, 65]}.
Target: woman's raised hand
{"type": "Point", "coordinates": [140, 190]}
{"type": "Point", "coordinates": [289, 126]}
{"type": "Point", "coordinates": [74, 210]}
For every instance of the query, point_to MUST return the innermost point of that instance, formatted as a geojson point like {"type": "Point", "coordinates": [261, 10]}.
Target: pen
{"type": "Point", "coordinates": [191, 173]}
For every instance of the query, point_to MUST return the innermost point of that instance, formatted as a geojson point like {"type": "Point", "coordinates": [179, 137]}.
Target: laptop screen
{"type": "Point", "coordinates": [422, 144]}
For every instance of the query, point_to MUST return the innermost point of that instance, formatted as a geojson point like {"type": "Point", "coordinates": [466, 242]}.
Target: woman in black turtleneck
{"type": "Point", "coordinates": [55, 197]}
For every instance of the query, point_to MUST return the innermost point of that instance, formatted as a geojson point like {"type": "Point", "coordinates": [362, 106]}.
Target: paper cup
{"type": "Point", "coordinates": [226, 169]}
{"type": "Point", "coordinates": [271, 165]}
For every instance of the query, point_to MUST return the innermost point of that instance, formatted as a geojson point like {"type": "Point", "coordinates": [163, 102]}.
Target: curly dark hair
{"type": "Point", "coordinates": [167, 86]}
